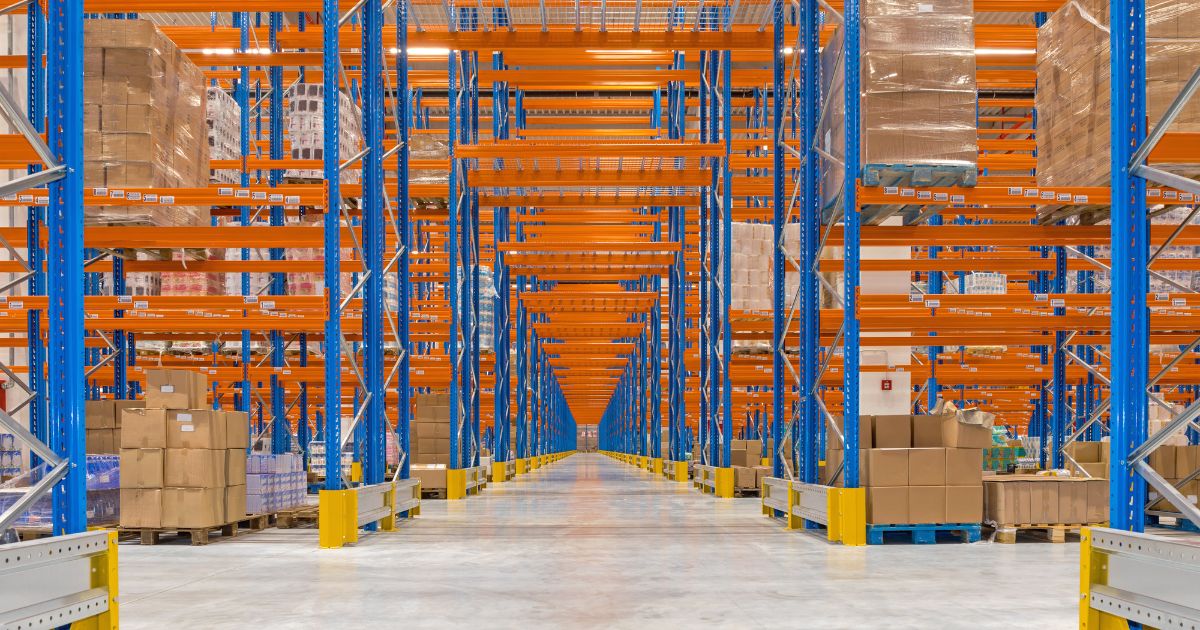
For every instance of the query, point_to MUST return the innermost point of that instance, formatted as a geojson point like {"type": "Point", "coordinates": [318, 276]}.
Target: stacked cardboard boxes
{"type": "Point", "coordinates": [1091, 459]}
{"type": "Point", "coordinates": [1175, 463]}
{"type": "Point", "coordinates": [917, 469]}
{"type": "Point", "coordinates": [102, 421]}
{"type": "Point", "coordinates": [1073, 99]}
{"type": "Point", "coordinates": [918, 88]}
{"type": "Point", "coordinates": [1014, 500]}
{"type": "Point", "coordinates": [745, 457]}
{"type": "Point", "coordinates": [429, 439]}
{"type": "Point", "coordinates": [182, 466]}
{"type": "Point", "coordinates": [144, 121]}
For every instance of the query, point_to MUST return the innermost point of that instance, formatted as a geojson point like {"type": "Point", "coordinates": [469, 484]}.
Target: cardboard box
{"type": "Point", "coordinates": [1072, 501]}
{"type": "Point", "coordinates": [1164, 461]}
{"type": "Point", "coordinates": [235, 502]}
{"type": "Point", "coordinates": [119, 407]}
{"type": "Point", "coordinates": [1006, 500]}
{"type": "Point", "coordinates": [433, 477]}
{"type": "Point", "coordinates": [175, 389]}
{"type": "Point", "coordinates": [1095, 471]}
{"type": "Point", "coordinates": [237, 429]}
{"type": "Point", "coordinates": [196, 428]}
{"type": "Point", "coordinates": [1084, 452]}
{"type": "Point", "coordinates": [143, 428]}
{"type": "Point", "coordinates": [891, 432]}
{"type": "Point", "coordinates": [887, 467]}
{"type": "Point", "coordinates": [99, 414]}
{"type": "Point", "coordinates": [964, 467]}
{"type": "Point", "coordinates": [760, 473]}
{"type": "Point", "coordinates": [235, 467]}
{"type": "Point", "coordinates": [194, 468]}
{"type": "Point", "coordinates": [887, 506]}
{"type": "Point", "coordinates": [101, 441]}
{"type": "Point", "coordinates": [193, 507]}
{"type": "Point", "coordinates": [927, 504]}
{"type": "Point", "coordinates": [926, 431]}
{"type": "Point", "coordinates": [957, 434]}
{"type": "Point", "coordinates": [141, 468]}
{"type": "Point", "coordinates": [1187, 460]}
{"type": "Point", "coordinates": [1097, 500]}
{"type": "Point", "coordinates": [141, 507]}
{"type": "Point", "coordinates": [1044, 500]}
{"type": "Point", "coordinates": [865, 438]}
{"type": "Point", "coordinates": [964, 504]}
{"type": "Point", "coordinates": [926, 466]}
{"type": "Point", "coordinates": [744, 478]}
{"type": "Point", "coordinates": [834, 461]}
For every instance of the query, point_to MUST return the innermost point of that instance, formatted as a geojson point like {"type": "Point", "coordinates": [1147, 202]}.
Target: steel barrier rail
{"type": "Point", "coordinates": [1131, 577]}
{"type": "Point", "coordinates": [59, 581]}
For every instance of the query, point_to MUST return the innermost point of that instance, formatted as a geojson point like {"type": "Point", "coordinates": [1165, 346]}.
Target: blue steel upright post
{"type": "Point", "coordinates": [403, 239]}
{"type": "Point", "coordinates": [1128, 415]}
{"type": "Point", "coordinates": [64, 259]}
{"type": "Point", "coordinates": [851, 219]}
{"type": "Point", "coordinates": [373, 239]}
{"type": "Point", "coordinates": [778, 259]}
{"type": "Point", "coordinates": [330, 66]}
{"type": "Point", "coordinates": [500, 236]}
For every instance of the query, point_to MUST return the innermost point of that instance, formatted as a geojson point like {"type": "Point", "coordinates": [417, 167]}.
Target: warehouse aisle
{"type": "Point", "coordinates": [591, 542]}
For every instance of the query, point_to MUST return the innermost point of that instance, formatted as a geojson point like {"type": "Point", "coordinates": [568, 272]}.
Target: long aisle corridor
{"type": "Point", "coordinates": [590, 542]}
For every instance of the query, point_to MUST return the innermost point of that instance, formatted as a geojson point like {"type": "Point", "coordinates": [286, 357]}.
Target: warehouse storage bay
{"type": "Point", "coordinates": [603, 313]}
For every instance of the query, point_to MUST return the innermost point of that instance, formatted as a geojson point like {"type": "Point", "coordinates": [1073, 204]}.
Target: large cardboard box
{"type": "Point", "coordinates": [1097, 500]}
{"type": "Point", "coordinates": [964, 504]}
{"type": "Point", "coordinates": [1072, 501]}
{"type": "Point", "coordinates": [235, 466]}
{"type": "Point", "coordinates": [927, 504]}
{"type": "Point", "coordinates": [433, 477]}
{"type": "Point", "coordinates": [887, 467]}
{"type": "Point", "coordinates": [1084, 452]}
{"type": "Point", "coordinates": [101, 441]}
{"type": "Point", "coordinates": [196, 428]}
{"type": "Point", "coordinates": [1164, 461]}
{"type": "Point", "coordinates": [99, 414]}
{"type": "Point", "coordinates": [1097, 470]}
{"type": "Point", "coordinates": [143, 428]}
{"type": "Point", "coordinates": [892, 431]}
{"type": "Point", "coordinates": [887, 506]}
{"type": "Point", "coordinates": [760, 473]}
{"type": "Point", "coordinates": [957, 434]}
{"type": "Point", "coordinates": [141, 507]}
{"type": "Point", "coordinates": [927, 431]}
{"type": "Point", "coordinates": [175, 389]}
{"type": "Point", "coordinates": [927, 467]}
{"type": "Point", "coordinates": [235, 502]}
{"type": "Point", "coordinates": [194, 468]}
{"type": "Point", "coordinates": [1044, 500]}
{"type": "Point", "coordinates": [237, 429]}
{"type": "Point", "coordinates": [964, 466]}
{"type": "Point", "coordinates": [1006, 500]}
{"type": "Point", "coordinates": [193, 507]}
{"type": "Point", "coordinates": [119, 407]}
{"type": "Point", "coordinates": [834, 473]}
{"type": "Point", "coordinates": [141, 468]}
{"type": "Point", "coordinates": [744, 478]}
{"type": "Point", "coordinates": [865, 433]}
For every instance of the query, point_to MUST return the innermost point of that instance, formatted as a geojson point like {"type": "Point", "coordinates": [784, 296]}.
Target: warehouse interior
{"type": "Point", "coordinates": [600, 313]}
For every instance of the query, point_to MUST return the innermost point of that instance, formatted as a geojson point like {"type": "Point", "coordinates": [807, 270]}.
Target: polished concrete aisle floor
{"type": "Point", "coordinates": [590, 542]}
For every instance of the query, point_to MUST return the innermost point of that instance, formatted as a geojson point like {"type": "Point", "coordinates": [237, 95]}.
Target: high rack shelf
{"type": "Point", "coordinates": [598, 157]}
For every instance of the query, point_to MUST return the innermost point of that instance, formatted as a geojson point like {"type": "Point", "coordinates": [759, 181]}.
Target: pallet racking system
{"type": "Point", "coordinates": [599, 197]}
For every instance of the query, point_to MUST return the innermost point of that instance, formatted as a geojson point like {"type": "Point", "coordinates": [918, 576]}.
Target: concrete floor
{"type": "Point", "coordinates": [589, 542]}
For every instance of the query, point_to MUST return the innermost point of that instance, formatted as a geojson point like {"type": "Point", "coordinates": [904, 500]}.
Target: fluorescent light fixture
{"type": "Point", "coordinates": [788, 50]}
{"type": "Point", "coordinates": [420, 51]}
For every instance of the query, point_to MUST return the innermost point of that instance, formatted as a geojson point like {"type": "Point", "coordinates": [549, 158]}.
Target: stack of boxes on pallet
{"type": "Point", "coordinates": [274, 482]}
{"type": "Point", "coordinates": [1174, 463]}
{"type": "Point", "coordinates": [1016, 500]}
{"type": "Point", "coordinates": [182, 466]}
{"type": "Point", "coordinates": [429, 439]}
{"type": "Point", "coordinates": [917, 469]}
{"type": "Point", "coordinates": [144, 122]}
{"type": "Point", "coordinates": [102, 423]}
{"type": "Point", "coordinates": [746, 458]}
{"type": "Point", "coordinates": [918, 89]}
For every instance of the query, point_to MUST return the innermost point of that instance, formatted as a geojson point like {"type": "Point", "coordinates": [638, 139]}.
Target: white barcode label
{"type": "Point", "coordinates": [184, 417]}
{"type": "Point", "coordinates": [167, 389]}
{"type": "Point", "coordinates": [187, 428]}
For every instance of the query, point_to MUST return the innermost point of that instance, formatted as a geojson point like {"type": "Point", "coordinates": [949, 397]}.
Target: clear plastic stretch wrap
{"type": "Point", "coordinates": [1073, 86]}
{"type": "Point", "coordinates": [144, 120]}
{"type": "Point", "coordinates": [918, 88]}
{"type": "Point", "coordinates": [429, 146]}
{"type": "Point", "coordinates": [224, 117]}
{"type": "Point", "coordinates": [305, 121]}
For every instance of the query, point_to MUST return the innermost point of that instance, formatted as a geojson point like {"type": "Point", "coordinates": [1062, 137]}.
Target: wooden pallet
{"type": "Point", "coordinates": [34, 533]}
{"type": "Point", "coordinates": [433, 493]}
{"type": "Point", "coordinates": [1051, 532]}
{"type": "Point", "coordinates": [745, 492]}
{"type": "Point", "coordinates": [923, 534]}
{"type": "Point", "coordinates": [291, 519]}
{"type": "Point", "coordinates": [200, 535]}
